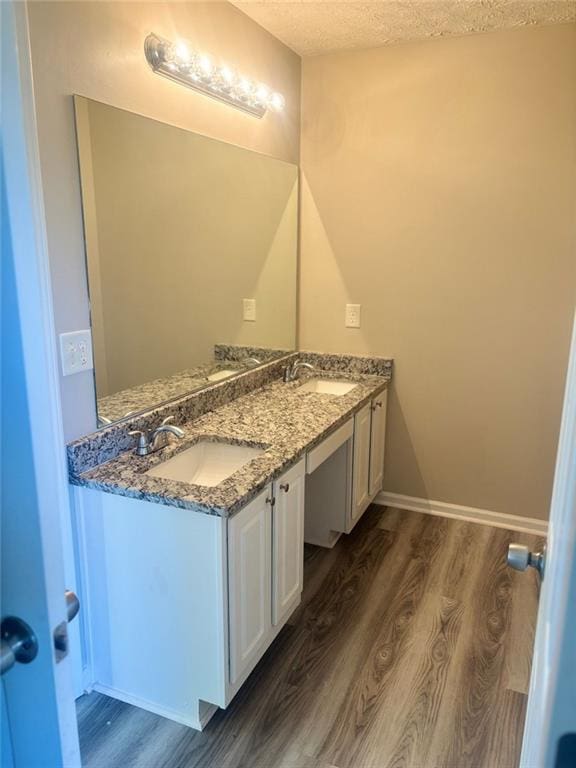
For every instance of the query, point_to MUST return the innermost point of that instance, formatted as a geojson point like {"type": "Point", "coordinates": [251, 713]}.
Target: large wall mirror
{"type": "Point", "coordinates": [191, 250]}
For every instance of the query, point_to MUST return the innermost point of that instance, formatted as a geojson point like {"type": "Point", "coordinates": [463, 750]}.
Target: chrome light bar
{"type": "Point", "coordinates": [181, 63]}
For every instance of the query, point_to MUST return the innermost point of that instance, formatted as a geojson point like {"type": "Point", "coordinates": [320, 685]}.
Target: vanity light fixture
{"type": "Point", "coordinates": [180, 62]}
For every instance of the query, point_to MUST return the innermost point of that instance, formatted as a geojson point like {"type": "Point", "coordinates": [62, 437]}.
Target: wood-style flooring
{"type": "Point", "coordinates": [411, 649]}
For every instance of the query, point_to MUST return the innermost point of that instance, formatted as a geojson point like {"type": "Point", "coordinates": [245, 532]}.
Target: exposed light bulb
{"type": "Point", "coordinates": [263, 94]}
{"type": "Point", "coordinates": [245, 87]}
{"type": "Point", "coordinates": [205, 65]}
{"type": "Point", "coordinates": [227, 77]}
{"type": "Point", "coordinates": [182, 53]}
{"type": "Point", "coordinates": [277, 102]}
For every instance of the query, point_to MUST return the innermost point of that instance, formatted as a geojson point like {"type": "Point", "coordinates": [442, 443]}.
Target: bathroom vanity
{"type": "Point", "coordinates": [189, 558]}
{"type": "Point", "coordinates": [192, 557]}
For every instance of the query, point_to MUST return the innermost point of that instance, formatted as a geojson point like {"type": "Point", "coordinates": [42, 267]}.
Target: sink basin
{"type": "Point", "coordinates": [328, 387]}
{"type": "Point", "coordinates": [219, 375]}
{"type": "Point", "coordinates": [206, 463]}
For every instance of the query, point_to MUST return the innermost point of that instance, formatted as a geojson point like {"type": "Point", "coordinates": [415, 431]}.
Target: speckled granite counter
{"type": "Point", "coordinates": [228, 358]}
{"type": "Point", "coordinates": [279, 417]}
{"type": "Point", "coordinates": [145, 396]}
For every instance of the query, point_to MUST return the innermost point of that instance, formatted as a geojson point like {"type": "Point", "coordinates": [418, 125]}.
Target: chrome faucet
{"type": "Point", "coordinates": [291, 371]}
{"type": "Point", "coordinates": [252, 360]}
{"type": "Point", "coordinates": [151, 442]}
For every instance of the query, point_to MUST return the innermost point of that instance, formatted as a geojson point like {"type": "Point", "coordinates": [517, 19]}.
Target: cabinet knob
{"type": "Point", "coordinates": [271, 500]}
{"type": "Point", "coordinates": [285, 487]}
{"type": "Point", "coordinates": [377, 404]}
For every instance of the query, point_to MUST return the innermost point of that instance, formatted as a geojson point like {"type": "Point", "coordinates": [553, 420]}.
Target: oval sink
{"type": "Point", "coordinates": [328, 387]}
{"type": "Point", "coordinates": [206, 463]}
{"type": "Point", "coordinates": [222, 374]}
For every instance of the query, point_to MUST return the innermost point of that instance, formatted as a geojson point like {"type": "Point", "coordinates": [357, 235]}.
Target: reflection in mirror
{"type": "Point", "coordinates": [191, 257]}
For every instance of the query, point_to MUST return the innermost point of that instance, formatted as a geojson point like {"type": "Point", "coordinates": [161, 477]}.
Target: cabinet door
{"type": "Point", "coordinates": [250, 583]}
{"type": "Point", "coordinates": [288, 542]}
{"type": "Point", "coordinates": [361, 475]}
{"type": "Point", "coordinates": [377, 442]}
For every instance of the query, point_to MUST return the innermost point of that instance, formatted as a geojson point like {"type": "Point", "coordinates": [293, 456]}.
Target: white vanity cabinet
{"type": "Point", "coordinates": [288, 543]}
{"type": "Point", "coordinates": [361, 472]}
{"type": "Point", "coordinates": [265, 568]}
{"type": "Point", "coordinates": [369, 444]}
{"type": "Point", "coordinates": [345, 474]}
{"type": "Point", "coordinates": [178, 606]}
{"type": "Point", "coordinates": [377, 442]}
{"type": "Point", "coordinates": [249, 583]}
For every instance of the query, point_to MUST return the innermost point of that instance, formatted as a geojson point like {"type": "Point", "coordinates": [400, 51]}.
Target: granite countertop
{"type": "Point", "coordinates": [279, 417]}
{"type": "Point", "coordinates": [138, 398]}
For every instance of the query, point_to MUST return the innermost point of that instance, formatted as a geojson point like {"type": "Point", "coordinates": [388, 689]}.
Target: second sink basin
{"type": "Point", "coordinates": [328, 386]}
{"type": "Point", "coordinates": [222, 374]}
{"type": "Point", "coordinates": [206, 463]}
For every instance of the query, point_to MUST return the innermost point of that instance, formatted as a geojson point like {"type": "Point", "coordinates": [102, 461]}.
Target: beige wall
{"type": "Point", "coordinates": [439, 193]}
{"type": "Point", "coordinates": [95, 49]}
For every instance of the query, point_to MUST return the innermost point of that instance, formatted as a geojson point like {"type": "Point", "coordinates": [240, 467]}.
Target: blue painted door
{"type": "Point", "coordinates": [38, 715]}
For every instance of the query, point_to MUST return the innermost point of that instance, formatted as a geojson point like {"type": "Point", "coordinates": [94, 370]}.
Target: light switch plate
{"type": "Point", "coordinates": [352, 319]}
{"type": "Point", "coordinates": [249, 309]}
{"type": "Point", "coordinates": [76, 352]}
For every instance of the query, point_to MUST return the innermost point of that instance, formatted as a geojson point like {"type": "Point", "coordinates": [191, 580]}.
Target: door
{"type": "Point", "coordinates": [361, 473]}
{"type": "Point", "coordinates": [250, 583]}
{"type": "Point", "coordinates": [550, 728]}
{"type": "Point", "coordinates": [288, 542]}
{"type": "Point", "coordinates": [377, 443]}
{"type": "Point", "coordinates": [38, 711]}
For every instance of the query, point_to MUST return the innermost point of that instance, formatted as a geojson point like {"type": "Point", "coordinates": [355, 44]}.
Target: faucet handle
{"type": "Point", "coordinates": [167, 420]}
{"type": "Point", "coordinates": [142, 442]}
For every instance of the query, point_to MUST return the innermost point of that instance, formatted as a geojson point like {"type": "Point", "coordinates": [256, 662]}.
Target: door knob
{"type": "Point", "coordinates": [72, 604]}
{"type": "Point", "coordinates": [520, 558]}
{"type": "Point", "coordinates": [19, 643]}
{"type": "Point", "coordinates": [61, 631]}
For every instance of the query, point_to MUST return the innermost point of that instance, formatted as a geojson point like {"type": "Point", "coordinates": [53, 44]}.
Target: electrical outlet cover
{"type": "Point", "coordinates": [76, 352]}
{"type": "Point", "coordinates": [249, 306]}
{"type": "Point", "coordinates": [352, 318]}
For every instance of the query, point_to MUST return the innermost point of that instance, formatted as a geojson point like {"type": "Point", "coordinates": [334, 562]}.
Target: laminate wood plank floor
{"type": "Point", "coordinates": [411, 649]}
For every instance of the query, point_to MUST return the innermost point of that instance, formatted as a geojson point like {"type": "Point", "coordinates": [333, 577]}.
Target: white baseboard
{"type": "Point", "coordinates": [458, 512]}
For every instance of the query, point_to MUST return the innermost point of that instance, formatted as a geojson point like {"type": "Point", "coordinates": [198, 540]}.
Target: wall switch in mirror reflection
{"type": "Point", "coordinates": [76, 352]}
{"type": "Point", "coordinates": [249, 309]}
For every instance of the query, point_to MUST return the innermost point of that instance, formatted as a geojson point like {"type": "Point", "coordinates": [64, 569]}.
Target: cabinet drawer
{"type": "Point", "coordinates": [326, 448]}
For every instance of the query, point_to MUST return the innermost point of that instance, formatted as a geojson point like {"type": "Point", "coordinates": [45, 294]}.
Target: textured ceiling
{"type": "Point", "coordinates": [311, 27]}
